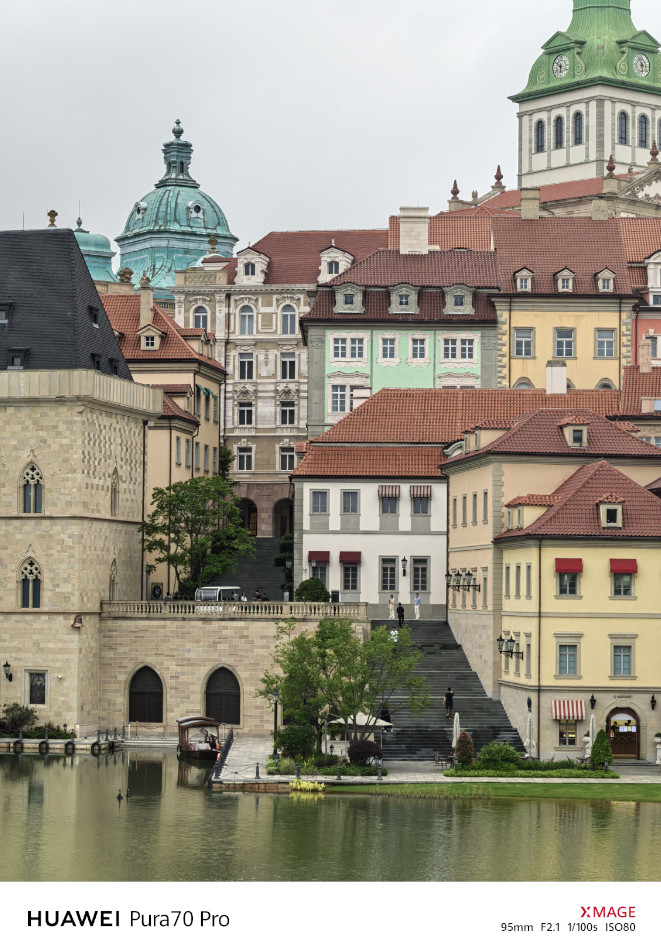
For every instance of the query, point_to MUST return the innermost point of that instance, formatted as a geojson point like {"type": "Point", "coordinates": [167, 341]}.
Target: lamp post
{"type": "Point", "coordinates": [7, 667]}
{"type": "Point", "coordinates": [404, 564]}
{"type": "Point", "coordinates": [507, 647]}
{"type": "Point", "coordinates": [275, 722]}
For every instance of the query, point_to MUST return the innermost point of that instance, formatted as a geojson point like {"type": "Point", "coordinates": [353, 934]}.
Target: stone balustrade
{"type": "Point", "coordinates": [235, 610]}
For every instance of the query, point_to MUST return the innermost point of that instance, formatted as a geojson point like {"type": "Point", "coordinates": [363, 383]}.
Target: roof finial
{"type": "Point", "coordinates": [79, 223]}
{"type": "Point", "coordinates": [498, 176]}
{"type": "Point", "coordinates": [454, 191]}
{"type": "Point", "coordinates": [654, 152]}
{"type": "Point", "coordinates": [213, 244]}
{"type": "Point", "coordinates": [610, 168]}
{"type": "Point", "coordinates": [52, 215]}
{"type": "Point", "coordinates": [177, 129]}
{"type": "Point", "coordinates": [144, 280]}
{"type": "Point", "coordinates": [125, 275]}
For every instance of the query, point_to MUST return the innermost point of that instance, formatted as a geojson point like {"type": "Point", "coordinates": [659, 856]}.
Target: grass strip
{"type": "Point", "coordinates": [613, 792]}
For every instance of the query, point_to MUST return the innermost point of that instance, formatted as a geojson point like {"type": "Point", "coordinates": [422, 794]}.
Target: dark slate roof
{"type": "Point", "coordinates": [44, 279]}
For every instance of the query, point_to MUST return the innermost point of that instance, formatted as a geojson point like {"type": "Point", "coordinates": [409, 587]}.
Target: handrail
{"type": "Point", "coordinates": [223, 752]}
{"type": "Point", "coordinates": [235, 610]}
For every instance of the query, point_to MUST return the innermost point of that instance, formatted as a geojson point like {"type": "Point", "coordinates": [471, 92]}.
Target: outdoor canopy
{"type": "Point", "coordinates": [568, 565]}
{"type": "Point", "coordinates": [321, 557]}
{"type": "Point", "coordinates": [568, 710]}
{"type": "Point", "coordinates": [624, 566]}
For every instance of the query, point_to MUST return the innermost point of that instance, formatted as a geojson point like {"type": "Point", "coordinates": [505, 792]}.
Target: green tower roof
{"type": "Point", "coordinates": [601, 45]}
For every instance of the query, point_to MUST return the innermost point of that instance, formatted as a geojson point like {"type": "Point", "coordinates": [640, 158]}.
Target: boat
{"type": "Point", "coordinates": [199, 737]}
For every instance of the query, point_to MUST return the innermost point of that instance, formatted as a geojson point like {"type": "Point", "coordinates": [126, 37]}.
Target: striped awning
{"type": "Point", "coordinates": [420, 491]}
{"type": "Point", "coordinates": [388, 491]}
{"type": "Point", "coordinates": [568, 710]}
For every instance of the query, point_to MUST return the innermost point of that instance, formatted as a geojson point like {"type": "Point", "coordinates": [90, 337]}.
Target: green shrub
{"type": "Point", "coordinates": [352, 769]}
{"type": "Point", "coordinates": [501, 756]}
{"type": "Point", "coordinates": [296, 740]}
{"type": "Point", "coordinates": [15, 716]}
{"type": "Point", "coordinates": [322, 760]}
{"type": "Point", "coordinates": [361, 750]}
{"type": "Point", "coordinates": [578, 772]}
{"type": "Point", "coordinates": [464, 749]}
{"type": "Point", "coordinates": [601, 751]}
{"type": "Point", "coordinates": [312, 590]}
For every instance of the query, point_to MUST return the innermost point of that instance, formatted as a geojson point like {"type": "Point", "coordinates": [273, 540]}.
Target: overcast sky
{"type": "Point", "coordinates": [302, 113]}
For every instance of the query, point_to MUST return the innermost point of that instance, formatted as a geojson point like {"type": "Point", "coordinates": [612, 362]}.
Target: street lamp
{"type": "Point", "coordinates": [275, 722]}
{"type": "Point", "coordinates": [507, 647]}
{"type": "Point", "coordinates": [404, 564]}
{"type": "Point", "coordinates": [7, 667]}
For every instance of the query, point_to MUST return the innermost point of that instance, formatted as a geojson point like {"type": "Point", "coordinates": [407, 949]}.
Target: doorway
{"type": "Point", "coordinates": [283, 512]}
{"type": "Point", "coordinates": [248, 511]}
{"type": "Point", "coordinates": [623, 730]}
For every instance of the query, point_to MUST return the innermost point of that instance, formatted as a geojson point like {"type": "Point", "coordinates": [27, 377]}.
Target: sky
{"type": "Point", "coordinates": [303, 114]}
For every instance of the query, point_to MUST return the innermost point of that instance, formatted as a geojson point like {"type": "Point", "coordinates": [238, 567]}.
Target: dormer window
{"type": "Point", "coordinates": [565, 281]}
{"type": "Point", "coordinates": [333, 267]}
{"type": "Point", "coordinates": [605, 284]}
{"type": "Point", "coordinates": [16, 358]}
{"type": "Point", "coordinates": [4, 313]}
{"type": "Point", "coordinates": [94, 316]}
{"type": "Point", "coordinates": [96, 362]}
{"type": "Point", "coordinates": [458, 300]}
{"type": "Point", "coordinates": [578, 436]}
{"type": "Point", "coordinates": [605, 281]}
{"type": "Point", "coordinates": [610, 514]}
{"type": "Point", "coordinates": [523, 279]}
{"type": "Point", "coordinates": [404, 300]}
{"type": "Point", "coordinates": [249, 269]}
{"type": "Point", "coordinates": [349, 300]}
{"type": "Point", "coordinates": [150, 342]}
{"type": "Point", "coordinates": [523, 284]}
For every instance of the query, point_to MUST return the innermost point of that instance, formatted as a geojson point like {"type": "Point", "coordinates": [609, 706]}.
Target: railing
{"type": "Point", "coordinates": [235, 610]}
{"type": "Point", "coordinates": [222, 756]}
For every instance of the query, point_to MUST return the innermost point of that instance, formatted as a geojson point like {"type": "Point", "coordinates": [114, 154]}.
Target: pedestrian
{"type": "Point", "coordinates": [257, 596]}
{"type": "Point", "coordinates": [416, 604]}
{"type": "Point", "coordinates": [448, 702]}
{"type": "Point", "coordinates": [391, 608]}
{"type": "Point", "coordinates": [243, 597]}
{"type": "Point", "coordinates": [400, 614]}
{"type": "Point", "coordinates": [168, 597]}
{"type": "Point", "coordinates": [393, 635]}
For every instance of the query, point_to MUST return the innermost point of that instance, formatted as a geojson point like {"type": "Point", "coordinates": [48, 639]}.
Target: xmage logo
{"type": "Point", "coordinates": [594, 911]}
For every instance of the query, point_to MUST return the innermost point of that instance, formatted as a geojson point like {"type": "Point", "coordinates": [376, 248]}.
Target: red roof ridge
{"type": "Point", "coordinates": [610, 497]}
{"type": "Point", "coordinates": [532, 499]}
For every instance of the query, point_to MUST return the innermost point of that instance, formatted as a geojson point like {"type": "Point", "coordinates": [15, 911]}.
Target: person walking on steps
{"type": "Point", "coordinates": [391, 608]}
{"type": "Point", "coordinates": [448, 703]}
{"type": "Point", "coordinates": [416, 604]}
{"type": "Point", "coordinates": [400, 614]}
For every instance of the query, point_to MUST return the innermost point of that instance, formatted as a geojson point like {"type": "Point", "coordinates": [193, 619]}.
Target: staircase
{"type": "Point", "coordinates": [444, 663]}
{"type": "Point", "coordinates": [258, 572]}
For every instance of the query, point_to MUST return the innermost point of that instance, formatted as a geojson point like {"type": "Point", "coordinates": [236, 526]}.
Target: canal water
{"type": "Point", "coordinates": [60, 820]}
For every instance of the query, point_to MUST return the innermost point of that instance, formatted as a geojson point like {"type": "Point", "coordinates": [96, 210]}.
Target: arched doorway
{"type": "Point", "coordinates": [623, 730]}
{"type": "Point", "coordinates": [248, 511]}
{"type": "Point", "coordinates": [283, 518]}
{"type": "Point", "coordinates": [146, 697]}
{"type": "Point", "coordinates": [223, 697]}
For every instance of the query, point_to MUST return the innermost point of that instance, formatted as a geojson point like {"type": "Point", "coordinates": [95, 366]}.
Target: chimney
{"type": "Point", "coordinates": [413, 230]}
{"type": "Point", "coordinates": [645, 355]}
{"type": "Point", "coordinates": [556, 376]}
{"type": "Point", "coordinates": [360, 395]}
{"type": "Point", "coordinates": [599, 209]}
{"type": "Point", "coordinates": [530, 202]}
{"type": "Point", "coordinates": [146, 301]}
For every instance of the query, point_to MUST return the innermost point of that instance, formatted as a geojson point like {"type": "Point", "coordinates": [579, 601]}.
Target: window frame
{"type": "Point", "coordinates": [568, 584]}
{"type": "Point", "coordinates": [420, 505]}
{"type": "Point", "coordinates": [319, 502]}
{"type": "Point", "coordinates": [288, 320]}
{"type": "Point", "coordinates": [246, 320]}
{"type": "Point", "coordinates": [286, 454]}
{"type": "Point", "coordinates": [388, 564]}
{"type": "Point", "coordinates": [526, 343]}
{"type": "Point", "coordinates": [246, 368]}
{"type": "Point", "coordinates": [350, 578]}
{"type": "Point", "coordinates": [624, 594]}
{"type": "Point", "coordinates": [244, 459]}
{"type": "Point", "coordinates": [288, 364]}
{"type": "Point", "coordinates": [245, 409]}
{"type": "Point", "coordinates": [350, 502]}
{"type": "Point", "coordinates": [566, 342]}
{"type": "Point", "coordinates": [288, 407]}
{"type": "Point", "coordinates": [420, 574]}
{"type": "Point", "coordinates": [598, 341]}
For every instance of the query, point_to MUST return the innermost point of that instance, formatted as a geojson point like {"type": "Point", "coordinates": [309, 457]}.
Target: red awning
{"type": "Point", "coordinates": [420, 491]}
{"type": "Point", "coordinates": [624, 566]}
{"type": "Point", "coordinates": [321, 557]}
{"type": "Point", "coordinates": [569, 565]}
{"type": "Point", "coordinates": [568, 710]}
{"type": "Point", "coordinates": [349, 557]}
{"type": "Point", "coordinates": [388, 491]}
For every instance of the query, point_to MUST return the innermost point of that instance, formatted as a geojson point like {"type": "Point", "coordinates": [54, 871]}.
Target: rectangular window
{"type": "Point", "coordinates": [244, 457]}
{"type": "Point", "coordinates": [564, 343]}
{"type": "Point", "coordinates": [349, 577]}
{"type": "Point", "coordinates": [454, 511]}
{"type": "Point", "coordinates": [464, 510]}
{"type": "Point", "coordinates": [621, 661]}
{"type": "Point", "coordinates": [418, 348]}
{"type": "Point", "coordinates": [188, 455]}
{"type": "Point", "coordinates": [38, 689]}
{"type": "Point", "coordinates": [656, 300]}
{"type": "Point", "coordinates": [420, 574]}
{"type": "Point", "coordinates": [246, 322]}
{"type": "Point", "coordinates": [506, 584]}
{"type": "Point", "coordinates": [288, 414]}
{"type": "Point", "coordinates": [206, 458]}
{"type": "Point", "coordinates": [350, 503]}
{"type": "Point", "coordinates": [388, 348]}
{"type": "Point", "coordinates": [654, 346]}
{"type": "Point", "coordinates": [245, 414]}
{"type": "Point", "coordinates": [288, 320]}
{"type": "Point", "coordinates": [198, 402]}
{"type": "Point", "coordinates": [449, 349]}
{"type": "Point", "coordinates": [389, 506]}
{"type": "Point", "coordinates": [528, 581]}
{"type": "Point", "coordinates": [197, 455]}
{"type": "Point", "coordinates": [622, 585]}
{"type": "Point", "coordinates": [357, 348]}
{"type": "Point", "coordinates": [567, 733]}
{"type": "Point", "coordinates": [527, 659]}
{"type": "Point", "coordinates": [319, 503]}
{"type": "Point", "coordinates": [287, 459]}
{"type": "Point", "coordinates": [215, 460]}
{"type": "Point", "coordinates": [288, 366]}
{"type": "Point", "coordinates": [246, 366]}
{"type": "Point", "coordinates": [150, 342]}
{"type": "Point", "coordinates": [338, 399]}
{"type": "Point", "coordinates": [403, 300]}
{"type": "Point", "coordinates": [458, 300]}
{"type": "Point", "coordinates": [319, 571]}
{"type": "Point", "coordinates": [420, 506]}
{"type": "Point", "coordinates": [567, 659]}
{"type": "Point", "coordinates": [349, 300]}
{"type": "Point", "coordinates": [467, 349]}
{"type": "Point", "coordinates": [339, 348]}
{"type": "Point", "coordinates": [474, 507]}
{"type": "Point", "coordinates": [517, 648]}
{"type": "Point", "coordinates": [207, 406]}
{"type": "Point", "coordinates": [485, 580]}
{"type": "Point", "coordinates": [523, 341]}
{"type": "Point", "coordinates": [485, 506]}
{"type": "Point", "coordinates": [177, 450]}
{"type": "Point", "coordinates": [388, 574]}
{"type": "Point", "coordinates": [567, 584]}
{"type": "Point", "coordinates": [605, 343]}
{"type": "Point", "coordinates": [215, 409]}
{"type": "Point", "coordinates": [517, 581]}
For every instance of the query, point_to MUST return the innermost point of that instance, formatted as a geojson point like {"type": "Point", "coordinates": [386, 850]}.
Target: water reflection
{"type": "Point", "coordinates": [67, 824]}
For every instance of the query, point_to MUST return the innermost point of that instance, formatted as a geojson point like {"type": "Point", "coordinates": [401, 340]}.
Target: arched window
{"type": "Point", "coordinates": [540, 137]}
{"type": "Point", "coordinates": [623, 128]}
{"type": "Point", "coordinates": [288, 319]}
{"type": "Point", "coordinates": [30, 582]}
{"type": "Point", "coordinates": [246, 321]}
{"type": "Point", "coordinates": [559, 132]}
{"type": "Point", "coordinates": [146, 697]}
{"type": "Point", "coordinates": [112, 585]}
{"type": "Point", "coordinates": [201, 318]}
{"type": "Point", "coordinates": [523, 383]}
{"type": "Point", "coordinates": [33, 482]}
{"type": "Point", "coordinates": [578, 128]}
{"type": "Point", "coordinates": [605, 384]}
{"type": "Point", "coordinates": [114, 494]}
{"type": "Point", "coordinates": [223, 697]}
{"type": "Point", "coordinates": [643, 132]}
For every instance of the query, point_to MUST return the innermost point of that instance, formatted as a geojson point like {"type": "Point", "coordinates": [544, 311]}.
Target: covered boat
{"type": "Point", "coordinates": [199, 737]}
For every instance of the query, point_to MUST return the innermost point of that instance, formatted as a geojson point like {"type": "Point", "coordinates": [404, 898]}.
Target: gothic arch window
{"type": "Point", "coordinates": [623, 128]}
{"type": "Point", "coordinates": [223, 697]}
{"type": "Point", "coordinates": [643, 132]}
{"type": "Point", "coordinates": [246, 321]}
{"type": "Point", "coordinates": [114, 494]}
{"type": "Point", "coordinates": [288, 315]}
{"type": "Point", "coordinates": [605, 384]}
{"type": "Point", "coordinates": [540, 136]}
{"type": "Point", "coordinates": [146, 697]}
{"type": "Point", "coordinates": [112, 583]}
{"type": "Point", "coordinates": [201, 318]}
{"type": "Point", "coordinates": [523, 383]}
{"type": "Point", "coordinates": [559, 132]}
{"type": "Point", "coordinates": [578, 128]}
{"type": "Point", "coordinates": [32, 488]}
{"type": "Point", "coordinates": [29, 578]}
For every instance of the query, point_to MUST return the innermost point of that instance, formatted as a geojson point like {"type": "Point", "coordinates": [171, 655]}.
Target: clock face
{"type": "Point", "coordinates": [641, 65]}
{"type": "Point", "coordinates": [560, 66]}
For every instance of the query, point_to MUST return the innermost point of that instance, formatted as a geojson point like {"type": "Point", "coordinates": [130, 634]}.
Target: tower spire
{"type": "Point", "coordinates": [177, 155]}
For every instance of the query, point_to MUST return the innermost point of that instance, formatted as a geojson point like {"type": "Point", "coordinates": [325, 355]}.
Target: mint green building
{"type": "Point", "coordinates": [97, 253]}
{"type": "Point", "coordinates": [168, 230]}
{"type": "Point", "coordinates": [595, 91]}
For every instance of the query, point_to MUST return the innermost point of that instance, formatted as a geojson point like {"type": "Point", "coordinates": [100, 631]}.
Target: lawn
{"type": "Point", "coordinates": [615, 792]}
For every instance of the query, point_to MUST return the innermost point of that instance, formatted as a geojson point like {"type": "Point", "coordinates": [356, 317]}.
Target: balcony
{"type": "Point", "coordinates": [234, 610]}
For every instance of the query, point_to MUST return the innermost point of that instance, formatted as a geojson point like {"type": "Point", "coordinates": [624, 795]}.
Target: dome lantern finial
{"type": "Point", "coordinates": [454, 191]}
{"type": "Point", "coordinates": [654, 152]}
{"type": "Point", "coordinates": [610, 168]}
{"type": "Point", "coordinates": [177, 129]}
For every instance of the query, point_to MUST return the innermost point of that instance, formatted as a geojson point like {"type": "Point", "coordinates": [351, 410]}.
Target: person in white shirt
{"type": "Point", "coordinates": [416, 604]}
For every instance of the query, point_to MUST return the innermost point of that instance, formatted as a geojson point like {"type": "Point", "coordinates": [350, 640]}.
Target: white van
{"type": "Point", "coordinates": [218, 593]}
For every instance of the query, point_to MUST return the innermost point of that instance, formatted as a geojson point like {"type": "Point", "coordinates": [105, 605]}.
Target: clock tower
{"type": "Point", "coordinates": [595, 91]}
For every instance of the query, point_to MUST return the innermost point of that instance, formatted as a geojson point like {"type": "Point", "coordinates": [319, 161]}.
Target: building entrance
{"type": "Point", "coordinates": [623, 729]}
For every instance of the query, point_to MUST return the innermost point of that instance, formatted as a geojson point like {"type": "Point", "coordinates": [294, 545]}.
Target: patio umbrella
{"type": "Point", "coordinates": [591, 734]}
{"type": "Point", "coordinates": [456, 730]}
{"type": "Point", "coordinates": [529, 743]}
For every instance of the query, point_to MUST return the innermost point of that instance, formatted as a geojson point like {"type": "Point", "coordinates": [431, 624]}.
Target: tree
{"type": "Point", "coordinates": [331, 674]}
{"type": "Point", "coordinates": [196, 527]}
{"type": "Point", "coordinates": [312, 589]}
{"type": "Point", "coordinates": [15, 716]}
{"type": "Point", "coordinates": [464, 749]}
{"type": "Point", "coordinates": [601, 751]}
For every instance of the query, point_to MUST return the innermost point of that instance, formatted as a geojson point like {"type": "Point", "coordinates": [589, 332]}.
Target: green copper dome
{"type": "Point", "coordinates": [601, 45]}
{"type": "Point", "coordinates": [97, 253]}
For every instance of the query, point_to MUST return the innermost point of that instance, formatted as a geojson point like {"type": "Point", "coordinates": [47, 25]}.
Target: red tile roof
{"type": "Point", "coordinates": [170, 408]}
{"type": "Point", "coordinates": [577, 515]}
{"type": "Point", "coordinates": [123, 311]}
{"type": "Point", "coordinates": [370, 462]}
{"type": "Point", "coordinates": [295, 254]}
{"type": "Point", "coordinates": [561, 191]}
{"type": "Point", "coordinates": [439, 417]}
{"type": "Point", "coordinates": [641, 237]}
{"type": "Point", "coordinates": [174, 387]}
{"type": "Point", "coordinates": [376, 304]}
{"type": "Point", "coordinates": [532, 500]}
{"type": "Point", "coordinates": [435, 269]}
{"type": "Point", "coordinates": [635, 386]}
